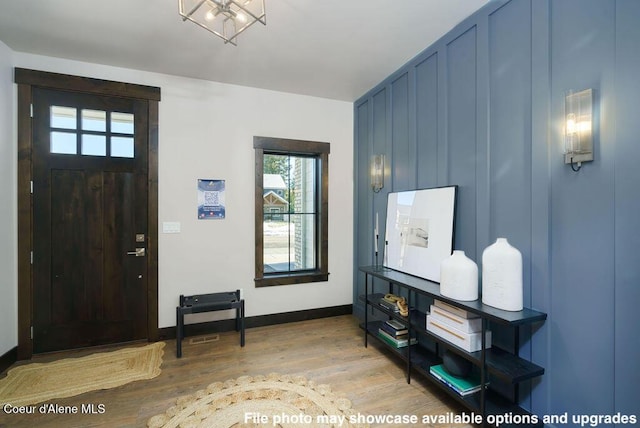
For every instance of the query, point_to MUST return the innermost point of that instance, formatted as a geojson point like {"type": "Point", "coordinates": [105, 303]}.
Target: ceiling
{"type": "Point", "coordinates": [336, 49]}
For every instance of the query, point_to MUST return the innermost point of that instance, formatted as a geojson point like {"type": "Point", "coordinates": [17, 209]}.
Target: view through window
{"type": "Point", "coordinates": [291, 211]}
{"type": "Point", "coordinates": [91, 132]}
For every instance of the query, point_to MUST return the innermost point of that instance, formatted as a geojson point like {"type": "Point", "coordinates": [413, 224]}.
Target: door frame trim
{"type": "Point", "coordinates": [26, 80]}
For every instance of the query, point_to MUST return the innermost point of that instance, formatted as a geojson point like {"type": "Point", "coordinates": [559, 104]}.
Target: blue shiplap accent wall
{"type": "Point", "coordinates": [482, 108]}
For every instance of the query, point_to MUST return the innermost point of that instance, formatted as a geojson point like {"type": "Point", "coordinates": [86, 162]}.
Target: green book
{"type": "Point", "coordinates": [395, 342]}
{"type": "Point", "coordinates": [462, 386]}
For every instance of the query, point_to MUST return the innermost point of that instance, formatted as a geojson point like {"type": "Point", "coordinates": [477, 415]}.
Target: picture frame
{"type": "Point", "coordinates": [419, 230]}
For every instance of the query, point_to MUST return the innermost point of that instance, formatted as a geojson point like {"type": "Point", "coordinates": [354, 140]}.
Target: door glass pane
{"type": "Point", "coordinates": [94, 145]}
{"type": "Point", "coordinates": [63, 117]}
{"type": "Point", "coordinates": [63, 143]}
{"type": "Point", "coordinates": [122, 147]}
{"type": "Point", "coordinates": [94, 120]}
{"type": "Point", "coordinates": [122, 123]}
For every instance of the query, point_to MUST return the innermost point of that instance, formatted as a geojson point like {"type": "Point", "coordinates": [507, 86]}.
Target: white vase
{"type": "Point", "coordinates": [502, 276]}
{"type": "Point", "coordinates": [459, 277]}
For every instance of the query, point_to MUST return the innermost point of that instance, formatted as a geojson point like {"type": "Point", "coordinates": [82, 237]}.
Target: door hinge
{"type": "Point", "coordinates": [31, 186]}
{"type": "Point", "coordinates": [31, 110]}
{"type": "Point", "coordinates": [31, 257]}
{"type": "Point", "coordinates": [31, 332]}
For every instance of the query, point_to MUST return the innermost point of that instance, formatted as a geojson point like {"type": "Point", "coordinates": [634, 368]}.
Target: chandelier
{"type": "Point", "coordinates": [224, 18]}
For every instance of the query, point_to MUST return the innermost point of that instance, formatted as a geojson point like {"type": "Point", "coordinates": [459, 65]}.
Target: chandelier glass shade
{"type": "Point", "coordinates": [225, 18]}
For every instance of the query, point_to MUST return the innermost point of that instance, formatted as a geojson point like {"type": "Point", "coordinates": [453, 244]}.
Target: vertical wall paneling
{"type": "Point", "coordinates": [509, 156]}
{"type": "Point", "coordinates": [510, 124]}
{"type": "Point", "coordinates": [627, 207]}
{"type": "Point", "coordinates": [381, 141]}
{"type": "Point", "coordinates": [403, 160]}
{"type": "Point", "coordinates": [442, 119]}
{"type": "Point", "coordinates": [582, 209]}
{"type": "Point", "coordinates": [426, 117]}
{"type": "Point", "coordinates": [362, 220]}
{"type": "Point", "coordinates": [461, 135]}
{"type": "Point", "coordinates": [540, 291]}
{"type": "Point", "coordinates": [413, 132]}
{"type": "Point", "coordinates": [483, 137]}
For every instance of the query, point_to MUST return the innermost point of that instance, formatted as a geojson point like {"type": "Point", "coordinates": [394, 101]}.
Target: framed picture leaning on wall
{"type": "Point", "coordinates": [420, 230]}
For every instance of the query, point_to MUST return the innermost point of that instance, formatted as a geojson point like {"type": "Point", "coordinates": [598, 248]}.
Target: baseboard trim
{"type": "Point", "coordinates": [8, 359]}
{"type": "Point", "coordinates": [169, 333]}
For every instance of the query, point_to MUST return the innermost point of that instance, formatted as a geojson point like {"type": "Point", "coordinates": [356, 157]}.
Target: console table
{"type": "Point", "coordinates": [503, 365]}
{"type": "Point", "coordinates": [208, 303]}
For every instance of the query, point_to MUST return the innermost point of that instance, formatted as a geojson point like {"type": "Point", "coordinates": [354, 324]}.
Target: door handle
{"type": "Point", "coordinates": [139, 252]}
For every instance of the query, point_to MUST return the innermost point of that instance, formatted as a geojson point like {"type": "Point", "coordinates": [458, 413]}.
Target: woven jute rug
{"type": "Point", "coordinates": [38, 382]}
{"type": "Point", "coordinates": [258, 401]}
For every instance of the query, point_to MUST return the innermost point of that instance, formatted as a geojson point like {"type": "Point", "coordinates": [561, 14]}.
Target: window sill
{"type": "Point", "coordinates": [292, 278]}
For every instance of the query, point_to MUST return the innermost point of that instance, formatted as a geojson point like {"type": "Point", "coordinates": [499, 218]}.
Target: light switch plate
{"type": "Point", "coordinates": [170, 227]}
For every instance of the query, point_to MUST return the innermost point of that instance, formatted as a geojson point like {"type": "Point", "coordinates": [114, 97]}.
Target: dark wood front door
{"type": "Point", "coordinates": [89, 220]}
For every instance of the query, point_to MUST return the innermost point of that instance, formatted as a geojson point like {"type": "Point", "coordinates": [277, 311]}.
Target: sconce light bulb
{"type": "Point", "coordinates": [584, 126]}
{"type": "Point", "coordinates": [571, 124]}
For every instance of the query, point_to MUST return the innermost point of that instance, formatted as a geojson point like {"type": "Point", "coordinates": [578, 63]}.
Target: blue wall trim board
{"type": "Point", "coordinates": [482, 108]}
{"type": "Point", "coordinates": [627, 207]}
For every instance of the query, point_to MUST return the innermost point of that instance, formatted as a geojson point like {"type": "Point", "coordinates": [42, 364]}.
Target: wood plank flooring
{"type": "Point", "coordinates": [328, 350]}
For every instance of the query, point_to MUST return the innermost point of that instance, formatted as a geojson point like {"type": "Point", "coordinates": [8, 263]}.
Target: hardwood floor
{"type": "Point", "coordinates": [328, 350]}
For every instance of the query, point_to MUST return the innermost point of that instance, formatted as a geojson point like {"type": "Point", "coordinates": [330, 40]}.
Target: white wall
{"type": "Point", "coordinates": [206, 131]}
{"type": "Point", "coordinates": [8, 206]}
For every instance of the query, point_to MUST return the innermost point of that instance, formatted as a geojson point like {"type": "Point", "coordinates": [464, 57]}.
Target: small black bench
{"type": "Point", "coordinates": [208, 303]}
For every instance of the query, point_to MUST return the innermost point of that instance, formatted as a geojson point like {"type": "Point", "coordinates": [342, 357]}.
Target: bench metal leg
{"type": "Point", "coordinates": [179, 331]}
{"type": "Point", "coordinates": [241, 310]}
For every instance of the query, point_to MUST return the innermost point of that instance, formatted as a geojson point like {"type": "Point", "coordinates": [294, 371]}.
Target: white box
{"type": "Point", "coordinates": [467, 325]}
{"type": "Point", "coordinates": [470, 342]}
{"type": "Point", "coordinates": [460, 312]}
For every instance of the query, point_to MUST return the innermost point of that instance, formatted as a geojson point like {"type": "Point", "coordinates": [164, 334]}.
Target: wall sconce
{"type": "Point", "coordinates": [578, 131]}
{"type": "Point", "coordinates": [377, 172]}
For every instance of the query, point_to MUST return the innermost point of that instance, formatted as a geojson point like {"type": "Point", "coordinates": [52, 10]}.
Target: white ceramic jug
{"type": "Point", "coordinates": [502, 276]}
{"type": "Point", "coordinates": [459, 277]}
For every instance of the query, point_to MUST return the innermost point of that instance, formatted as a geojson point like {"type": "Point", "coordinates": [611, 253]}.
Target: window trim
{"type": "Point", "coordinates": [320, 151]}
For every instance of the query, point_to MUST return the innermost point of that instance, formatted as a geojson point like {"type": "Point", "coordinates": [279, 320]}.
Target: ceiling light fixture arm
{"type": "Point", "coordinates": [226, 19]}
{"type": "Point", "coordinates": [192, 11]}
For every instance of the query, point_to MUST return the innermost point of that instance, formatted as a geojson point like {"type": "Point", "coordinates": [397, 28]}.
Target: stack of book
{"type": "Point", "coordinates": [463, 386]}
{"type": "Point", "coordinates": [395, 334]}
{"type": "Point", "coordinates": [460, 327]}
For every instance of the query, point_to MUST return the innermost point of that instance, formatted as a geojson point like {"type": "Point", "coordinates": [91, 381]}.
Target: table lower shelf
{"type": "Point", "coordinates": [508, 367]}
{"type": "Point", "coordinates": [421, 359]}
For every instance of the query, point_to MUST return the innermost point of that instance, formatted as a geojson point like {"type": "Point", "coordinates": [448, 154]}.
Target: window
{"type": "Point", "coordinates": [291, 211]}
{"type": "Point", "coordinates": [96, 139]}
